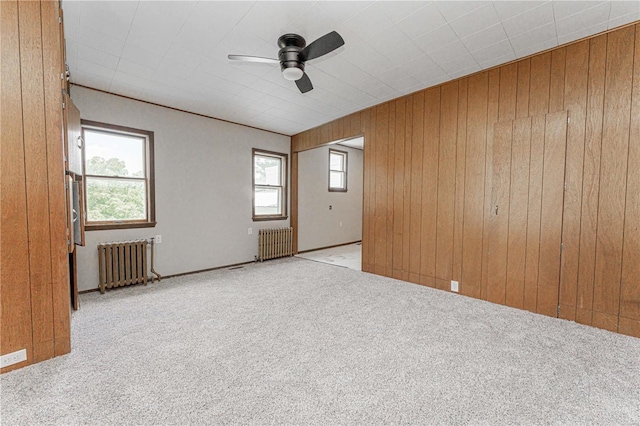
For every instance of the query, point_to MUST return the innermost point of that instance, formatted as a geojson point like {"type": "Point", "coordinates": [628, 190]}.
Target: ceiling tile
{"type": "Point", "coordinates": [475, 21]}
{"type": "Point", "coordinates": [176, 53]}
{"type": "Point", "coordinates": [529, 50]}
{"type": "Point", "coordinates": [582, 32]}
{"type": "Point", "coordinates": [497, 61]}
{"type": "Point", "coordinates": [109, 18]}
{"type": "Point", "coordinates": [131, 73]}
{"type": "Point", "coordinates": [95, 56]}
{"type": "Point", "coordinates": [140, 56]}
{"type": "Point", "coordinates": [509, 8]}
{"type": "Point", "coordinates": [449, 53]}
{"type": "Point", "coordinates": [437, 39]}
{"type": "Point", "coordinates": [564, 9]}
{"type": "Point", "coordinates": [587, 18]}
{"type": "Point", "coordinates": [368, 22]}
{"type": "Point", "coordinates": [85, 66]}
{"type": "Point", "coordinates": [624, 19]}
{"type": "Point", "coordinates": [424, 20]}
{"type": "Point", "coordinates": [487, 37]}
{"type": "Point", "coordinates": [529, 20]}
{"type": "Point", "coordinates": [466, 62]}
{"type": "Point", "coordinates": [452, 10]}
{"type": "Point", "coordinates": [621, 8]}
{"type": "Point", "coordinates": [101, 42]}
{"type": "Point", "coordinates": [501, 49]}
{"type": "Point", "coordinates": [397, 10]}
{"type": "Point", "coordinates": [531, 38]}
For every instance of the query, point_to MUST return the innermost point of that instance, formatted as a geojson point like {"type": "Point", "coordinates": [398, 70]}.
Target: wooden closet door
{"type": "Point", "coordinates": [525, 224]}
{"type": "Point", "coordinates": [555, 144]}
{"type": "Point", "coordinates": [499, 216]}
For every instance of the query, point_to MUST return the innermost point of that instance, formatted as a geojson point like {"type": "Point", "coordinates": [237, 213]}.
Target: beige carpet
{"type": "Point", "coordinates": [297, 342]}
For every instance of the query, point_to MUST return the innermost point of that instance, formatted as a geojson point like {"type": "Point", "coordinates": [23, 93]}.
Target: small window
{"type": "Point", "coordinates": [269, 185]}
{"type": "Point", "coordinates": [337, 171]}
{"type": "Point", "coordinates": [119, 176]}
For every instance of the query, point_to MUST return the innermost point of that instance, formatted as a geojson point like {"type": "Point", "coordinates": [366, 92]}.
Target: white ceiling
{"type": "Point", "coordinates": [357, 143]}
{"type": "Point", "coordinates": [175, 53]}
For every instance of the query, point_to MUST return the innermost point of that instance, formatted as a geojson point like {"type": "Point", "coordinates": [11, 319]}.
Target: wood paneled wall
{"type": "Point", "coordinates": [521, 182]}
{"type": "Point", "coordinates": [34, 272]}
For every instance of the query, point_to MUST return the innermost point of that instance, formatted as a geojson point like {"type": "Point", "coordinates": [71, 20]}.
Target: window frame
{"type": "Point", "coordinates": [345, 154]}
{"type": "Point", "coordinates": [283, 180]}
{"type": "Point", "coordinates": [149, 178]}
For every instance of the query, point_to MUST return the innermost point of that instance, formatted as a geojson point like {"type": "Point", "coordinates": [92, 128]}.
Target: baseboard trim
{"type": "Point", "coordinates": [181, 274]}
{"type": "Point", "coordinates": [328, 247]}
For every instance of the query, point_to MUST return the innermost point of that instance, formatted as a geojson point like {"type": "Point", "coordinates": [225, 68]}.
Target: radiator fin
{"type": "Point", "coordinates": [275, 242]}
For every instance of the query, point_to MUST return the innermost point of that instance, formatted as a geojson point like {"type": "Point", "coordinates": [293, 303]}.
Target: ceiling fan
{"type": "Point", "coordinates": [293, 54]}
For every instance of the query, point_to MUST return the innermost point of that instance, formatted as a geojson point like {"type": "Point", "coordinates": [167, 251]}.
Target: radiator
{"type": "Point", "coordinates": [275, 242]}
{"type": "Point", "coordinates": [123, 263]}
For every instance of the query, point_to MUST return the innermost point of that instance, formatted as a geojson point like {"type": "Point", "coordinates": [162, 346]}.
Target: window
{"type": "Point", "coordinates": [119, 176]}
{"type": "Point", "coordinates": [337, 171]}
{"type": "Point", "coordinates": [269, 185]}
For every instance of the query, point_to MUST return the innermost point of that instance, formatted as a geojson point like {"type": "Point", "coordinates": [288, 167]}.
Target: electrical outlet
{"type": "Point", "coordinates": [13, 358]}
{"type": "Point", "coordinates": [454, 286]}
{"type": "Point", "coordinates": [158, 239]}
{"type": "Point", "coordinates": [249, 231]}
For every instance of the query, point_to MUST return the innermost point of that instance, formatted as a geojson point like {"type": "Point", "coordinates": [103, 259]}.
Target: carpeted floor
{"type": "Point", "coordinates": [297, 342]}
{"type": "Point", "coordinates": [349, 256]}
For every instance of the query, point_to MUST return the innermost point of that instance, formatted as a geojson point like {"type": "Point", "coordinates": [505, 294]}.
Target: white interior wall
{"type": "Point", "coordinates": [319, 226]}
{"type": "Point", "coordinates": [203, 186]}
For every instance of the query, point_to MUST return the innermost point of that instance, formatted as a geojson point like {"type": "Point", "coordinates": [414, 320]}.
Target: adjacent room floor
{"type": "Point", "coordinates": [348, 256]}
{"type": "Point", "coordinates": [296, 342]}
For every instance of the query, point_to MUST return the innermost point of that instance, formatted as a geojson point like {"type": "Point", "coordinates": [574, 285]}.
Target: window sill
{"type": "Point", "coordinates": [126, 225]}
{"type": "Point", "coordinates": [337, 190]}
{"type": "Point", "coordinates": [264, 219]}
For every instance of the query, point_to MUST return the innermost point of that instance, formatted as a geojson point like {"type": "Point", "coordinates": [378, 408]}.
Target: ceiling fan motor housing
{"type": "Point", "coordinates": [290, 55]}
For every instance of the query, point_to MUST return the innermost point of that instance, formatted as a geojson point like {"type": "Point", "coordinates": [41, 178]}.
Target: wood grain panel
{"type": "Point", "coordinates": [493, 111]}
{"type": "Point", "coordinates": [430, 151]}
{"type": "Point", "coordinates": [508, 91]}
{"type": "Point", "coordinates": [416, 185]}
{"type": "Point", "coordinates": [555, 143]}
{"type": "Point", "coordinates": [461, 144]}
{"type": "Point", "coordinates": [613, 173]}
{"type": "Point", "coordinates": [390, 172]}
{"type": "Point", "coordinates": [556, 83]}
{"type": "Point", "coordinates": [498, 219]}
{"type": "Point", "coordinates": [630, 284]}
{"type": "Point", "coordinates": [446, 181]}
{"type": "Point", "coordinates": [533, 214]}
{"type": "Point", "coordinates": [518, 212]}
{"type": "Point", "coordinates": [577, 71]}
{"type": "Point", "coordinates": [474, 185]}
{"type": "Point", "coordinates": [36, 178]}
{"type": "Point", "coordinates": [591, 179]}
{"type": "Point", "coordinates": [16, 325]}
{"type": "Point", "coordinates": [367, 243]}
{"type": "Point", "coordinates": [408, 164]}
{"type": "Point", "coordinates": [398, 185]}
{"type": "Point", "coordinates": [522, 98]}
{"type": "Point", "coordinates": [380, 205]}
{"type": "Point", "coordinates": [52, 61]}
{"type": "Point", "coordinates": [539, 84]}
{"type": "Point", "coordinates": [541, 213]}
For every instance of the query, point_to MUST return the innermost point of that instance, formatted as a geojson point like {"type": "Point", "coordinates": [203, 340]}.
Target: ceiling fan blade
{"type": "Point", "coordinates": [304, 84]}
{"type": "Point", "coordinates": [325, 44]}
{"type": "Point", "coordinates": [245, 58]}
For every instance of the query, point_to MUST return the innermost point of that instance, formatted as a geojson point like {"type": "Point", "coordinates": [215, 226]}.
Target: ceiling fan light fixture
{"type": "Point", "coordinates": [292, 74]}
